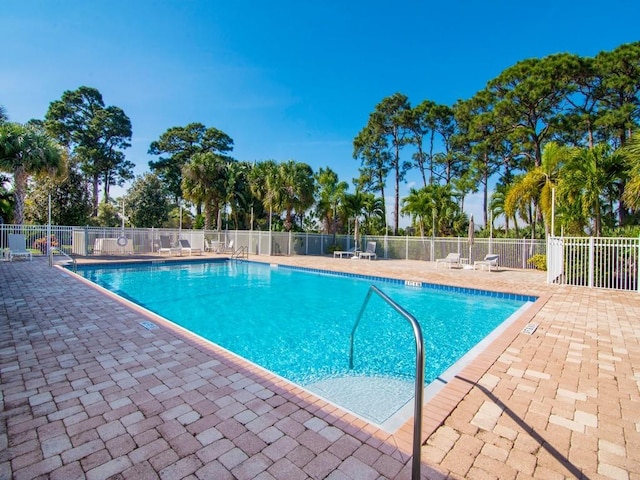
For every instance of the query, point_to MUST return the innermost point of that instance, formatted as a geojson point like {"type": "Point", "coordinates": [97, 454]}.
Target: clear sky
{"type": "Point", "coordinates": [286, 79]}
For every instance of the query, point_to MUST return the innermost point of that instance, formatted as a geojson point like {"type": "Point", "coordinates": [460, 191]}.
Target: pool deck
{"type": "Point", "coordinates": [87, 392]}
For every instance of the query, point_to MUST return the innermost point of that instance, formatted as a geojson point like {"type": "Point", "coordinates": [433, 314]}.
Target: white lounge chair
{"type": "Point", "coordinates": [18, 247]}
{"type": "Point", "coordinates": [370, 252]}
{"type": "Point", "coordinates": [489, 261]}
{"type": "Point", "coordinates": [166, 247]}
{"type": "Point", "coordinates": [345, 253]}
{"type": "Point", "coordinates": [449, 260]}
{"type": "Point", "coordinates": [185, 247]}
{"type": "Point", "coordinates": [227, 248]}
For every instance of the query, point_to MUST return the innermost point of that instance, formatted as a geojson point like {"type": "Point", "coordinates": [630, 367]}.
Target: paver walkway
{"type": "Point", "coordinates": [87, 392]}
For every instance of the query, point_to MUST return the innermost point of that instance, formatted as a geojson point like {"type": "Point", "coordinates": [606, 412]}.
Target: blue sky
{"type": "Point", "coordinates": [285, 79]}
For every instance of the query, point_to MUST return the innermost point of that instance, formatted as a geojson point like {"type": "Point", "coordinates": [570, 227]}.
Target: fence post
{"type": "Point", "coordinates": [591, 261]}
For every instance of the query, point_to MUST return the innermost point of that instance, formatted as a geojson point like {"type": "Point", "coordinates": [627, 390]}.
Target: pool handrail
{"type": "Point", "coordinates": [419, 383]}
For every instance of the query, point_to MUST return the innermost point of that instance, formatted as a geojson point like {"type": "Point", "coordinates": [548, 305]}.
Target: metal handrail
{"type": "Point", "coordinates": [241, 252]}
{"type": "Point", "coordinates": [419, 384]}
{"type": "Point", "coordinates": [62, 252]}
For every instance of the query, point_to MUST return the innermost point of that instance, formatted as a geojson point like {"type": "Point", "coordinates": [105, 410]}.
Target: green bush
{"type": "Point", "coordinates": [539, 261]}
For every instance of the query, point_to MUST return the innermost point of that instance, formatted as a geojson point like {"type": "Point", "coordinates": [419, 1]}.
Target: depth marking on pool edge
{"type": "Point", "coordinates": [411, 283]}
{"type": "Point", "coordinates": [148, 325]}
{"type": "Point", "coordinates": [530, 328]}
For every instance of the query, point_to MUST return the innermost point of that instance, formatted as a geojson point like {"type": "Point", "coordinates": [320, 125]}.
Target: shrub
{"type": "Point", "coordinates": [539, 261]}
{"type": "Point", "coordinates": [41, 243]}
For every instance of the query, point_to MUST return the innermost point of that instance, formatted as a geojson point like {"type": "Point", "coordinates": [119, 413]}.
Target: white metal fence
{"type": "Point", "coordinates": [611, 263]}
{"type": "Point", "coordinates": [84, 241]}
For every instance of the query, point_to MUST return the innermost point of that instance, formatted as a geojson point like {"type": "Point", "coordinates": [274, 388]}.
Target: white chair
{"type": "Point", "coordinates": [18, 247]}
{"type": "Point", "coordinates": [228, 248]}
{"type": "Point", "coordinates": [489, 261]}
{"type": "Point", "coordinates": [370, 252]}
{"type": "Point", "coordinates": [166, 247]}
{"type": "Point", "coordinates": [449, 260]}
{"type": "Point", "coordinates": [185, 246]}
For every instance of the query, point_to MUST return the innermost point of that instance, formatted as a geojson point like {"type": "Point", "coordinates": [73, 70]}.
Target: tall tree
{"type": "Point", "coordinates": [177, 146]}
{"type": "Point", "coordinates": [387, 126]}
{"type": "Point", "coordinates": [528, 98]}
{"type": "Point", "coordinates": [481, 134]}
{"type": "Point", "coordinates": [373, 151]}
{"type": "Point", "coordinates": [25, 151]}
{"type": "Point", "coordinates": [70, 199]}
{"type": "Point", "coordinates": [146, 202]}
{"type": "Point", "coordinates": [96, 134]}
{"type": "Point", "coordinates": [420, 121]}
{"type": "Point", "coordinates": [620, 90]}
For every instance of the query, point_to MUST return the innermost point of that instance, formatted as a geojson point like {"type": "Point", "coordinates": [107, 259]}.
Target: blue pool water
{"type": "Point", "coordinates": [297, 323]}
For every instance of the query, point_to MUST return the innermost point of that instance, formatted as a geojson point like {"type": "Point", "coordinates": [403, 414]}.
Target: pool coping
{"type": "Point", "coordinates": [435, 409]}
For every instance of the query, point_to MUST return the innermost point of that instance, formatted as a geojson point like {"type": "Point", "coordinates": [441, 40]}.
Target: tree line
{"type": "Point", "coordinates": [556, 130]}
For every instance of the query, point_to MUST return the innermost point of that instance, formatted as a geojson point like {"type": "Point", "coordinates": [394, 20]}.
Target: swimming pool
{"type": "Point", "coordinates": [297, 323]}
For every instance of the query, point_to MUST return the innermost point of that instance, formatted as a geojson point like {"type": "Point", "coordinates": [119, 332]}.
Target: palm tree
{"type": "Point", "coordinates": [418, 204]}
{"type": "Point", "coordinates": [355, 206]}
{"type": "Point", "coordinates": [534, 189]}
{"type": "Point", "coordinates": [24, 151]}
{"type": "Point", "coordinates": [497, 207]}
{"type": "Point", "coordinates": [631, 155]}
{"type": "Point", "coordinates": [330, 194]}
{"type": "Point", "coordinates": [296, 186]}
{"type": "Point", "coordinates": [203, 182]}
{"type": "Point", "coordinates": [263, 179]}
{"type": "Point", "coordinates": [237, 195]}
{"type": "Point", "coordinates": [3, 115]}
{"type": "Point", "coordinates": [434, 206]}
{"type": "Point", "coordinates": [588, 177]}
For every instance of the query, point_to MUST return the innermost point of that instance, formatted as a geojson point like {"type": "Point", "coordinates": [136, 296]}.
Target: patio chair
{"type": "Point", "coordinates": [166, 247]}
{"type": "Point", "coordinates": [18, 247]}
{"type": "Point", "coordinates": [185, 246]}
{"type": "Point", "coordinates": [345, 253]}
{"type": "Point", "coordinates": [449, 260]}
{"type": "Point", "coordinates": [370, 252]}
{"type": "Point", "coordinates": [227, 248]}
{"type": "Point", "coordinates": [489, 261]}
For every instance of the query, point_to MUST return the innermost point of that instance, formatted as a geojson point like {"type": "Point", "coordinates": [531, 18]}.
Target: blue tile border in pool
{"type": "Point", "coordinates": [373, 278]}
{"type": "Point", "coordinates": [147, 263]}
{"type": "Point", "coordinates": [433, 286]}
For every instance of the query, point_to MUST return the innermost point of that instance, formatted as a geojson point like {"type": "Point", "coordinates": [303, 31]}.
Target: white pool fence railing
{"type": "Point", "coordinates": [597, 262]}
{"type": "Point", "coordinates": [611, 263]}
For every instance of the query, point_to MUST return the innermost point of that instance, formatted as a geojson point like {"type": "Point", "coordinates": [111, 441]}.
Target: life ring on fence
{"type": "Point", "coordinates": [122, 241]}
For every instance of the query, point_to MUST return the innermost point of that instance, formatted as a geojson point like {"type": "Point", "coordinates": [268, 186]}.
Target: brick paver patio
{"type": "Point", "coordinates": [87, 392]}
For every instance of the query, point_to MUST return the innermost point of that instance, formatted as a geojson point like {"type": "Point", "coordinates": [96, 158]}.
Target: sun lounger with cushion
{"type": "Point", "coordinates": [449, 260]}
{"type": "Point", "coordinates": [345, 253]}
{"type": "Point", "coordinates": [185, 247]}
{"type": "Point", "coordinates": [18, 247]}
{"type": "Point", "coordinates": [489, 261]}
{"type": "Point", "coordinates": [370, 252]}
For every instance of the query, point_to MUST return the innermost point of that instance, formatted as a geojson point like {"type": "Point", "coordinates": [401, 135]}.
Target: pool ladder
{"type": "Point", "coordinates": [419, 384]}
{"type": "Point", "coordinates": [69, 258]}
{"type": "Point", "coordinates": [242, 252]}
